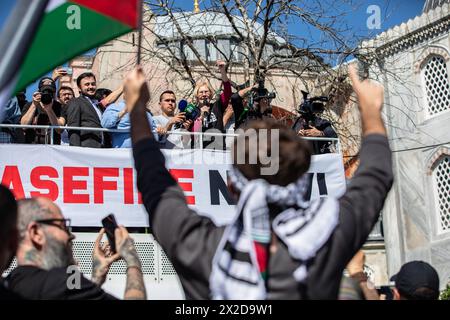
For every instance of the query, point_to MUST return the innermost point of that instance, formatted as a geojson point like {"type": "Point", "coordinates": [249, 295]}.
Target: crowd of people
{"type": "Point", "coordinates": [279, 246]}
{"type": "Point", "coordinates": [103, 108]}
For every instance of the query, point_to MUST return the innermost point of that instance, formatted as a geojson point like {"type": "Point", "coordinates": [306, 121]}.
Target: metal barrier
{"type": "Point", "coordinates": [336, 141]}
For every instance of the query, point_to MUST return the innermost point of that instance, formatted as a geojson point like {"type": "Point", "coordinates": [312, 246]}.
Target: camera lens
{"type": "Point", "coordinates": [46, 98]}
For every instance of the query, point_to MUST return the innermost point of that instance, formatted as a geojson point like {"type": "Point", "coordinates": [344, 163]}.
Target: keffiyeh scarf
{"type": "Point", "coordinates": [304, 227]}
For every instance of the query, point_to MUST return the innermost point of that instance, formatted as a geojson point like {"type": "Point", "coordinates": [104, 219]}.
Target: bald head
{"type": "Point", "coordinates": [44, 239]}
{"type": "Point", "coordinates": [35, 209]}
{"type": "Point", "coordinates": [50, 207]}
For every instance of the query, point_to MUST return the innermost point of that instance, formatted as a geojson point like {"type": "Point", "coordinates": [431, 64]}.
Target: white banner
{"type": "Point", "coordinates": [88, 183]}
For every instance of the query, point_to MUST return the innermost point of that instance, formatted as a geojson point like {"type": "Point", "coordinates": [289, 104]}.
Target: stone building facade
{"type": "Point", "coordinates": [413, 63]}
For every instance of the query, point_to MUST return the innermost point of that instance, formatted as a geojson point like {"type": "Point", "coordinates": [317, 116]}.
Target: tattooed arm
{"type": "Point", "coordinates": [135, 288]}
{"type": "Point", "coordinates": [101, 260]}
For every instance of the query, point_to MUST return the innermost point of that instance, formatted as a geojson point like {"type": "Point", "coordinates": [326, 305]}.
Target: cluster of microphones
{"type": "Point", "coordinates": [191, 110]}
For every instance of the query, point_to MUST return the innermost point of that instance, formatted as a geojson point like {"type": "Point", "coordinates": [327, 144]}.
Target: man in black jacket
{"type": "Point", "coordinates": [279, 246]}
{"type": "Point", "coordinates": [85, 112]}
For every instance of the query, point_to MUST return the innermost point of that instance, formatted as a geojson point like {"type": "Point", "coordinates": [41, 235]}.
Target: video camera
{"type": "Point", "coordinates": [311, 106]}
{"type": "Point", "coordinates": [262, 93]}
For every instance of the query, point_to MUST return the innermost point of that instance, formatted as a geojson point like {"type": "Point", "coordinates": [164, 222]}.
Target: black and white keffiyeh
{"type": "Point", "coordinates": [304, 228]}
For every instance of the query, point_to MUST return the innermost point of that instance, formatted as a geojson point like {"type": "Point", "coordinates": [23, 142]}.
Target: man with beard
{"type": "Point", "coordinates": [45, 259]}
{"type": "Point", "coordinates": [65, 94]}
{"type": "Point", "coordinates": [85, 112]}
{"type": "Point", "coordinates": [8, 236]}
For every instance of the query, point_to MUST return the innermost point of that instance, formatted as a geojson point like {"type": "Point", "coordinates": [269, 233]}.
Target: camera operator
{"type": "Point", "coordinates": [43, 110]}
{"type": "Point", "coordinates": [310, 124]}
{"type": "Point", "coordinates": [253, 107]}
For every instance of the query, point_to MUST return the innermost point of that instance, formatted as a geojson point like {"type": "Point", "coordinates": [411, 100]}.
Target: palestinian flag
{"type": "Point", "coordinates": [19, 21]}
{"type": "Point", "coordinates": [70, 28]}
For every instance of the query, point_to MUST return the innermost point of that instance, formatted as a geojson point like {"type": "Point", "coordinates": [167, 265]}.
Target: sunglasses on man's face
{"type": "Point", "coordinates": [63, 224]}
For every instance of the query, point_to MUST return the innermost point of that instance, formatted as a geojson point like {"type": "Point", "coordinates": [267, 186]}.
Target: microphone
{"type": "Point", "coordinates": [205, 104]}
{"type": "Point", "coordinates": [182, 104]}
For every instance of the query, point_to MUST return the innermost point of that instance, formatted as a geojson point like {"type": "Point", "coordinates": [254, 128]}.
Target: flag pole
{"type": "Point", "coordinates": [139, 33]}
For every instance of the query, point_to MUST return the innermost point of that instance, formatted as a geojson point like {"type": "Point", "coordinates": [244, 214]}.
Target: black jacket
{"type": "Point", "coordinates": [318, 147]}
{"type": "Point", "coordinates": [81, 113]}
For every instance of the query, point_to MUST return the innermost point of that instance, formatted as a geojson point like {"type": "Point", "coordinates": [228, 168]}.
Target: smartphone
{"type": "Point", "coordinates": [69, 71]}
{"type": "Point", "coordinates": [110, 225]}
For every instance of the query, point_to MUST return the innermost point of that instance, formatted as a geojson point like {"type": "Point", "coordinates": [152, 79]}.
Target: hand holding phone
{"type": "Point", "coordinates": [110, 225]}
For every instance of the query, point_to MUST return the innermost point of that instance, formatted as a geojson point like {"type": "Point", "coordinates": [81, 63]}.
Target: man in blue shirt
{"type": "Point", "coordinates": [11, 115]}
{"type": "Point", "coordinates": [117, 117]}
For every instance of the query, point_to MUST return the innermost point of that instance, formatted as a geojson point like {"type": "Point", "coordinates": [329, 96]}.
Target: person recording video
{"type": "Point", "coordinates": [252, 106]}
{"type": "Point", "coordinates": [310, 124]}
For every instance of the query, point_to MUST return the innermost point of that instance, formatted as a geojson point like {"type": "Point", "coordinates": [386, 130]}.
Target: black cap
{"type": "Point", "coordinates": [41, 83]}
{"type": "Point", "coordinates": [414, 275]}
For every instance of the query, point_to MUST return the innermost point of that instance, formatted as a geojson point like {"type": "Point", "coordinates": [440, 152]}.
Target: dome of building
{"type": "Point", "coordinates": [204, 24]}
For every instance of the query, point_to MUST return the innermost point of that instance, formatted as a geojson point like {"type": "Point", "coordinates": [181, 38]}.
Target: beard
{"type": "Point", "coordinates": [57, 254]}
{"type": "Point", "coordinates": [90, 94]}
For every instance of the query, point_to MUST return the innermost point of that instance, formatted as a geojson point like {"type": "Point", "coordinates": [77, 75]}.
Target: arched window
{"type": "Point", "coordinates": [441, 177]}
{"type": "Point", "coordinates": [437, 87]}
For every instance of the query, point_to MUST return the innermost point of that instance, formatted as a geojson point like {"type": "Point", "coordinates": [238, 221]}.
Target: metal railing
{"type": "Point", "coordinates": [52, 128]}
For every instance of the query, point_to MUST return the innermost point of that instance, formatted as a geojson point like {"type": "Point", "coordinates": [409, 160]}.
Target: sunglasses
{"type": "Point", "coordinates": [65, 226]}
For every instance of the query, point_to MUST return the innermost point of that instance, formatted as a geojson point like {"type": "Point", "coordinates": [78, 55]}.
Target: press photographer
{"type": "Point", "coordinates": [310, 124]}
{"type": "Point", "coordinates": [43, 110]}
{"type": "Point", "coordinates": [251, 103]}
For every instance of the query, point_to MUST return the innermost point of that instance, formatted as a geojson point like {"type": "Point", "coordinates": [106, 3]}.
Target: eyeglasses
{"type": "Point", "coordinates": [66, 226]}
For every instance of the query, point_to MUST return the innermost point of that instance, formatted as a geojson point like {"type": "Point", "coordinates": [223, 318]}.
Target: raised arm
{"type": "Point", "coordinates": [226, 94]}
{"type": "Point", "coordinates": [112, 116]}
{"type": "Point", "coordinates": [361, 204]}
{"type": "Point", "coordinates": [185, 236]}
{"type": "Point", "coordinates": [112, 97]}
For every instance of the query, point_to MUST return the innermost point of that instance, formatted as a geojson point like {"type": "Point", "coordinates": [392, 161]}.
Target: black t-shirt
{"type": "Point", "coordinates": [34, 283]}
{"type": "Point", "coordinates": [40, 117]}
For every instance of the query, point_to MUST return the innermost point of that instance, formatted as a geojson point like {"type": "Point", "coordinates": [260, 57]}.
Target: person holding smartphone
{"type": "Point", "coordinates": [46, 265]}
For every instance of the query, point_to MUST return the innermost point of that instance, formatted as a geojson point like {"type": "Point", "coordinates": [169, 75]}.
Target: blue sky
{"type": "Point", "coordinates": [393, 12]}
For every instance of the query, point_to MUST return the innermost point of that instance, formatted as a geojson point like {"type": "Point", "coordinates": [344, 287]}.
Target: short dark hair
{"type": "Point", "coordinates": [85, 75]}
{"type": "Point", "coordinates": [165, 92]}
{"type": "Point", "coordinates": [65, 88]}
{"type": "Point", "coordinates": [294, 154]}
{"type": "Point", "coordinates": [8, 213]}
{"type": "Point", "coordinates": [100, 92]}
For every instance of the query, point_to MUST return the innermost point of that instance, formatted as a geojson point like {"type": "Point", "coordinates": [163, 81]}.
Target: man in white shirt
{"type": "Point", "coordinates": [168, 122]}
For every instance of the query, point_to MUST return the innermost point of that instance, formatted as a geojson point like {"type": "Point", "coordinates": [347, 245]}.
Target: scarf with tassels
{"type": "Point", "coordinates": [239, 265]}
